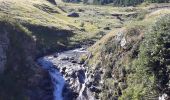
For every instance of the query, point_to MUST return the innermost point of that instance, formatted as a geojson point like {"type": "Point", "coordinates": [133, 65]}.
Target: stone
{"type": "Point", "coordinates": [63, 58]}
{"type": "Point", "coordinates": [74, 61]}
{"type": "Point", "coordinates": [107, 28]}
{"type": "Point", "coordinates": [74, 14]}
{"type": "Point", "coordinates": [95, 89]}
{"type": "Point", "coordinates": [52, 1]}
{"type": "Point", "coordinates": [123, 42]}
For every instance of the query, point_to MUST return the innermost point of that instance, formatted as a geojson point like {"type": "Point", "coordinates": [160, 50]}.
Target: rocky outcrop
{"type": "Point", "coordinates": [107, 71]}
{"type": "Point", "coordinates": [17, 66]}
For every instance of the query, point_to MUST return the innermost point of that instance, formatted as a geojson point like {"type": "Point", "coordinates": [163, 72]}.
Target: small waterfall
{"type": "Point", "coordinates": [57, 78]}
{"type": "Point", "coordinates": [67, 72]}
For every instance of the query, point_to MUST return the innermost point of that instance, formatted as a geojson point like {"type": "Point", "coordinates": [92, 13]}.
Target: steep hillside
{"type": "Point", "coordinates": [28, 30]}
{"type": "Point", "coordinates": [20, 77]}
{"type": "Point", "coordinates": [132, 63]}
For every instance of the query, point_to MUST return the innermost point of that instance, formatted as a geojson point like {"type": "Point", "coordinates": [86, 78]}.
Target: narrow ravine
{"type": "Point", "coordinates": [68, 74]}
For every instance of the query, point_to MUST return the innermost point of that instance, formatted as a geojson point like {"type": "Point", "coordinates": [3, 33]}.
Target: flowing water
{"type": "Point", "coordinates": [56, 77]}
{"type": "Point", "coordinates": [64, 68]}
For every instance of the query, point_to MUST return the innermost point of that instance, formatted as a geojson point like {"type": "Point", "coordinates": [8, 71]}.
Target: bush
{"type": "Point", "coordinates": [149, 73]}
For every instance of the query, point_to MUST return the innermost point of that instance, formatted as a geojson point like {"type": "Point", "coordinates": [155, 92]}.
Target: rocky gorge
{"type": "Point", "coordinates": [69, 75]}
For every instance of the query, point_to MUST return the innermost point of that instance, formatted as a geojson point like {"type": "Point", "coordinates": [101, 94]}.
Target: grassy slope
{"type": "Point", "coordinates": [39, 14]}
{"type": "Point", "coordinates": [142, 24]}
{"type": "Point", "coordinates": [51, 27]}
{"type": "Point", "coordinates": [117, 61]}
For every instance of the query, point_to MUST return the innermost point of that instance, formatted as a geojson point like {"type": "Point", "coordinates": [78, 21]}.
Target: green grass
{"type": "Point", "coordinates": [42, 13]}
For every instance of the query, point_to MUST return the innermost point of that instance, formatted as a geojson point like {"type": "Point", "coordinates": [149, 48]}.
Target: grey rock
{"type": "Point", "coordinates": [74, 14]}
{"type": "Point", "coordinates": [123, 42]}
{"type": "Point", "coordinates": [52, 1]}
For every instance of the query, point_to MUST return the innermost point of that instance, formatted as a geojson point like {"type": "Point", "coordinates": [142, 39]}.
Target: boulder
{"type": "Point", "coordinates": [107, 28]}
{"type": "Point", "coordinates": [52, 1]}
{"type": "Point", "coordinates": [74, 14]}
